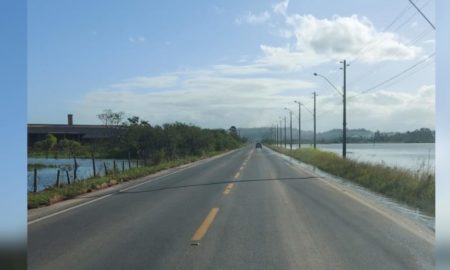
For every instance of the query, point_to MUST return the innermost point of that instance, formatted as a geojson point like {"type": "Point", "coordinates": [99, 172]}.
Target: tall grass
{"type": "Point", "coordinates": [55, 194]}
{"type": "Point", "coordinates": [415, 188]}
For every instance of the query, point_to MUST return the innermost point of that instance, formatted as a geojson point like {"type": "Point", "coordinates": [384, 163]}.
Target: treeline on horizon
{"type": "Point", "coordinates": [138, 139]}
{"type": "Point", "coordinates": [422, 135]}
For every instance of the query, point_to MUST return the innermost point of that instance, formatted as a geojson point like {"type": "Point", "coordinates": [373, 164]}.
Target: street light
{"type": "Point", "coordinates": [344, 122]}
{"type": "Point", "coordinates": [328, 81]}
{"type": "Point", "coordinates": [290, 119]}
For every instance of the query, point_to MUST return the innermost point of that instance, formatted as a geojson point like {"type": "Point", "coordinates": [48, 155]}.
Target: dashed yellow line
{"type": "Point", "coordinates": [201, 231]}
{"type": "Point", "coordinates": [228, 188]}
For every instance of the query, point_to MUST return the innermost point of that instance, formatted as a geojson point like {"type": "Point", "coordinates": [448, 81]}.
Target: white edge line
{"type": "Point", "coordinates": [106, 196]}
{"type": "Point", "coordinates": [68, 209]}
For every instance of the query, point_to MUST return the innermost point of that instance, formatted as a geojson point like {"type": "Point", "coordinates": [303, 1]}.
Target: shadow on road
{"type": "Point", "coordinates": [217, 183]}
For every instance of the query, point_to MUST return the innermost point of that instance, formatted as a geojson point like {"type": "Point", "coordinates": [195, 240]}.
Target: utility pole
{"type": "Point", "coordinates": [344, 124]}
{"type": "Point", "coordinates": [290, 116]}
{"type": "Point", "coordinates": [281, 133]}
{"type": "Point", "coordinates": [285, 140]}
{"type": "Point", "coordinates": [314, 94]}
{"type": "Point", "coordinates": [299, 123]}
{"type": "Point", "coordinates": [276, 135]}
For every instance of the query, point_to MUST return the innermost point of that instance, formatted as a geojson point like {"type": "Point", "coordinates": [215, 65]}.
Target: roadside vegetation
{"type": "Point", "coordinates": [415, 188]}
{"type": "Point", "coordinates": [154, 148]}
{"type": "Point", "coordinates": [55, 194]}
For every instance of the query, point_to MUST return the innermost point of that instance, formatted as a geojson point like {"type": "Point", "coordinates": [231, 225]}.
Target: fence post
{"type": "Point", "coordinates": [75, 169]}
{"type": "Point", "coordinates": [57, 178]}
{"type": "Point", "coordinates": [114, 166]}
{"type": "Point", "coordinates": [93, 164]}
{"type": "Point", "coordinates": [68, 177]}
{"type": "Point", "coordinates": [106, 169]}
{"type": "Point", "coordinates": [35, 181]}
{"type": "Point", "coordinates": [129, 160]}
{"type": "Point", "coordinates": [123, 166]}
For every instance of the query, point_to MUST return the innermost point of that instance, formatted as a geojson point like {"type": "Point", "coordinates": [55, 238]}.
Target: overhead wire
{"type": "Point", "coordinates": [395, 76]}
{"type": "Point", "coordinates": [412, 42]}
{"type": "Point", "coordinates": [423, 15]}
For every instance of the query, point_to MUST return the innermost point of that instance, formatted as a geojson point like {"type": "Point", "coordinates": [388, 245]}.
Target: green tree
{"type": "Point", "coordinates": [47, 144]}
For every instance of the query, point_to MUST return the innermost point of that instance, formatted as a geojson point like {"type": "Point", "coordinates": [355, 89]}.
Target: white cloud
{"type": "Point", "coordinates": [281, 7]}
{"type": "Point", "coordinates": [137, 39]}
{"type": "Point", "coordinates": [287, 58]}
{"type": "Point", "coordinates": [219, 102]}
{"type": "Point", "coordinates": [239, 70]}
{"type": "Point", "coordinates": [147, 82]}
{"type": "Point", "coordinates": [335, 39]}
{"type": "Point", "coordinates": [317, 41]}
{"type": "Point", "coordinates": [382, 110]}
{"type": "Point", "coordinates": [251, 18]}
{"type": "Point", "coordinates": [205, 99]}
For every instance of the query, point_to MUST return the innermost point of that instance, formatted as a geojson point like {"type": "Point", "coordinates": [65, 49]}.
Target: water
{"type": "Point", "coordinates": [411, 156]}
{"type": "Point", "coordinates": [47, 175]}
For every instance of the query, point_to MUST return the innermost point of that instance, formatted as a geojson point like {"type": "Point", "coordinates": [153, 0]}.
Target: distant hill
{"type": "Point", "coordinates": [424, 135]}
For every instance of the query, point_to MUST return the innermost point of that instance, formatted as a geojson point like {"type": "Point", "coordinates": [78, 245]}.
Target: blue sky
{"type": "Point", "coordinates": [13, 136]}
{"type": "Point", "coordinates": [222, 63]}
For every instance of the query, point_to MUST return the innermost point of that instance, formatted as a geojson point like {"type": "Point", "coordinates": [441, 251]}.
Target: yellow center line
{"type": "Point", "coordinates": [201, 231]}
{"type": "Point", "coordinates": [228, 188]}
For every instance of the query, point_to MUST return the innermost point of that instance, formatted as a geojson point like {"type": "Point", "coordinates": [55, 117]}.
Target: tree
{"type": "Point", "coordinates": [110, 118]}
{"type": "Point", "coordinates": [47, 144]}
{"type": "Point", "coordinates": [233, 131]}
{"type": "Point", "coordinates": [71, 147]}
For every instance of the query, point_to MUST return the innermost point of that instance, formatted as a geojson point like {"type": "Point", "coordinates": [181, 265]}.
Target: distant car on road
{"type": "Point", "coordinates": [258, 145]}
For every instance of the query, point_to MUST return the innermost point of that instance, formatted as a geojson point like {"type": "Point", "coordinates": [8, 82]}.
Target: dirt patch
{"type": "Point", "coordinates": [55, 199]}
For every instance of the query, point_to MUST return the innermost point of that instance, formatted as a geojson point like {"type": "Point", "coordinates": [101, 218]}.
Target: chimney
{"type": "Point", "coordinates": [70, 119]}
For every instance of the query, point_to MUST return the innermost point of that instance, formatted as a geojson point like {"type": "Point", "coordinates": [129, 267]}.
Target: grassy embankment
{"type": "Point", "coordinates": [415, 188]}
{"type": "Point", "coordinates": [55, 194]}
{"type": "Point", "coordinates": [33, 153]}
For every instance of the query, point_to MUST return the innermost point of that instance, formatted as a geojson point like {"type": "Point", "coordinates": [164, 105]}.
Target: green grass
{"type": "Point", "coordinates": [414, 188]}
{"type": "Point", "coordinates": [32, 166]}
{"type": "Point", "coordinates": [64, 192]}
{"type": "Point", "coordinates": [32, 153]}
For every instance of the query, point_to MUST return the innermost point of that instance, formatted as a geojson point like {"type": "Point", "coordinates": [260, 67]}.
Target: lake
{"type": "Point", "coordinates": [411, 156]}
{"type": "Point", "coordinates": [47, 175]}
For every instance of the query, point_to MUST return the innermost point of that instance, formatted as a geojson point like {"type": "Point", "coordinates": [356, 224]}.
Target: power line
{"type": "Point", "coordinates": [410, 74]}
{"type": "Point", "coordinates": [395, 76]}
{"type": "Point", "coordinates": [412, 16]}
{"type": "Point", "coordinates": [421, 13]}
{"type": "Point", "coordinates": [412, 42]}
{"type": "Point", "coordinates": [400, 15]}
{"type": "Point", "coordinates": [371, 71]}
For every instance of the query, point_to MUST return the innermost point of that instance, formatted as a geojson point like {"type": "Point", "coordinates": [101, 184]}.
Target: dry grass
{"type": "Point", "coordinates": [415, 188]}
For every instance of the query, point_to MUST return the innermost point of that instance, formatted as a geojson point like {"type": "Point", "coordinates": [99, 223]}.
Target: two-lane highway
{"type": "Point", "coordinates": [249, 209]}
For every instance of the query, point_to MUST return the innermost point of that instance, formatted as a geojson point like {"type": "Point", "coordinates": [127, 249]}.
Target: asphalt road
{"type": "Point", "coordinates": [249, 209]}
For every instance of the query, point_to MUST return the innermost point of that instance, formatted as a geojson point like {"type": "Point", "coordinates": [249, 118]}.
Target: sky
{"type": "Point", "coordinates": [13, 203]}
{"type": "Point", "coordinates": [221, 63]}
